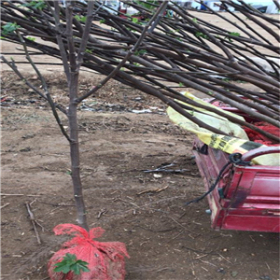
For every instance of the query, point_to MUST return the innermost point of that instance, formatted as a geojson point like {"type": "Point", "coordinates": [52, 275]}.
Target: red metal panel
{"type": "Point", "coordinates": [251, 223]}
{"type": "Point", "coordinates": [251, 194]}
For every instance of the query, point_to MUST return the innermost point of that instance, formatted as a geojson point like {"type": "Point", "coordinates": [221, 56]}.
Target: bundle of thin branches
{"type": "Point", "coordinates": [182, 50]}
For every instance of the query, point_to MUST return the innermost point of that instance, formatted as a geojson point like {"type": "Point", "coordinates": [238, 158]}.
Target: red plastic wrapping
{"type": "Point", "coordinates": [105, 259]}
{"type": "Point", "coordinates": [259, 138]}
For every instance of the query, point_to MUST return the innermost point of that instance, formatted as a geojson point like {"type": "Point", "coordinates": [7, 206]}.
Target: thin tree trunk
{"type": "Point", "coordinates": [73, 84]}
{"type": "Point", "coordinates": [75, 152]}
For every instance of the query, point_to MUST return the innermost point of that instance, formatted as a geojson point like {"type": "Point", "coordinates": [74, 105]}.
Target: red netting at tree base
{"type": "Point", "coordinates": [259, 138]}
{"type": "Point", "coordinates": [105, 259]}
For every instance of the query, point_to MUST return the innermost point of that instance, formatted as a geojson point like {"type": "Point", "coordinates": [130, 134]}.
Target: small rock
{"type": "Point", "coordinates": [221, 270]}
{"type": "Point", "coordinates": [265, 277]}
{"type": "Point", "coordinates": [25, 149]}
{"type": "Point", "coordinates": [28, 136]}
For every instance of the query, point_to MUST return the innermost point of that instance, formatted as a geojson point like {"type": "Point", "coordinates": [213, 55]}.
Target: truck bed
{"type": "Point", "coordinates": [246, 198]}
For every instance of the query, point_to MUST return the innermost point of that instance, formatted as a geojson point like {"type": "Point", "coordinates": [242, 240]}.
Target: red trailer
{"type": "Point", "coordinates": [246, 197]}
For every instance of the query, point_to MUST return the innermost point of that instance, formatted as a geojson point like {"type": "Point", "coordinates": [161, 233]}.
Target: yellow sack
{"type": "Point", "coordinates": [238, 143]}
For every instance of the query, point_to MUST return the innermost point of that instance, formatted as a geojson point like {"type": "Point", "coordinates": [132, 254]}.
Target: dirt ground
{"type": "Point", "coordinates": [145, 210]}
{"type": "Point", "coordinates": [165, 239]}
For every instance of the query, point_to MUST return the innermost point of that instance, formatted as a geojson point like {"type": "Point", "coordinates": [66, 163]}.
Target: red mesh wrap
{"type": "Point", "coordinates": [259, 138]}
{"type": "Point", "coordinates": [105, 259]}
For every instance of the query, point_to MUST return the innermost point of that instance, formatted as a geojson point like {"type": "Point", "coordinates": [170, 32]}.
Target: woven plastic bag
{"type": "Point", "coordinates": [105, 259]}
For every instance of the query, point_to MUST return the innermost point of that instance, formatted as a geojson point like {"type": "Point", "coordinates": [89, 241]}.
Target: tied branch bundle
{"type": "Point", "coordinates": [178, 48]}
